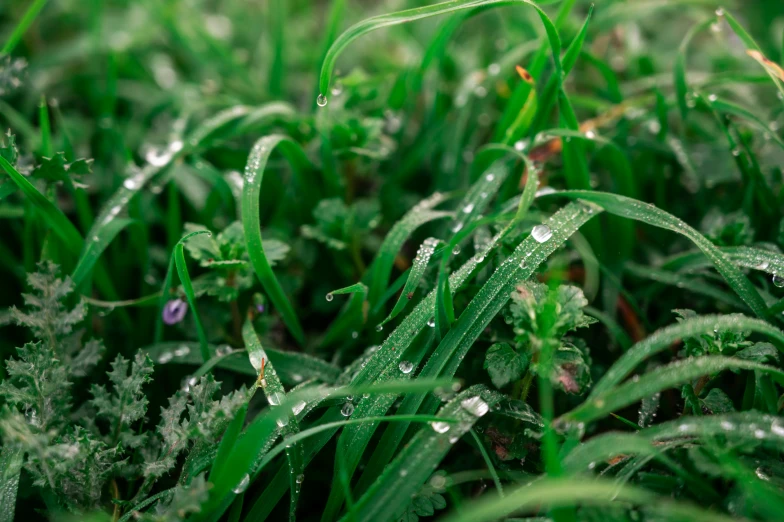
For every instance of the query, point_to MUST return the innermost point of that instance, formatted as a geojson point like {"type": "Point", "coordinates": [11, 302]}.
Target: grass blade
{"type": "Point", "coordinates": [254, 173]}
{"type": "Point", "coordinates": [95, 247]}
{"type": "Point", "coordinates": [656, 381]}
{"type": "Point", "coordinates": [663, 339]}
{"type": "Point", "coordinates": [647, 213]}
{"type": "Point", "coordinates": [11, 461]}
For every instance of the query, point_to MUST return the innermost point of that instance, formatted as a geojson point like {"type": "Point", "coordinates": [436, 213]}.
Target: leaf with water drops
{"type": "Point", "coordinates": [423, 255]}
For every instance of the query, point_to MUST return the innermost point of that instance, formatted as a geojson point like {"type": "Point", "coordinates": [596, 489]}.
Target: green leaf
{"type": "Point", "coordinates": [178, 258]}
{"type": "Point", "coordinates": [504, 364]}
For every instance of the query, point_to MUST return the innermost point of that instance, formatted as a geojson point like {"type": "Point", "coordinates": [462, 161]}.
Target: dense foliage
{"type": "Point", "coordinates": [475, 260]}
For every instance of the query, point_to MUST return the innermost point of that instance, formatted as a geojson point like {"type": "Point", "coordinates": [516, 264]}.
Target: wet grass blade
{"type": "Point", "coordinates": [657, 380]}
{"type": "Point", "coordinates": [662, 339]}
{"type": "Point", "coordinates": [251, 191]}
{"type": "Point", "coordinates": [418, 267]}
{"type": "Point", "coordinates": [679, 70]}
{"type": "Point", "coordinates": [187, 286]}
{"type": "Point", "coordinates": [273, 389]}
{"type": "Point", "coordinates": [490, 299]}
{"type": "Point", "coordinates": [647, 213]}
{"type": "Point", "coordinates": [554, 493]}
{"type": "Point", "coordinates": [292, 367]}
{"type": "Point", "coordinates": [393, 489]}
{"type": "Point", "coordinates": [94, 247]}
{"type": "Point", "coordinates": [751, 44]}
{"type": "Point", "coordinates": [411, 15]}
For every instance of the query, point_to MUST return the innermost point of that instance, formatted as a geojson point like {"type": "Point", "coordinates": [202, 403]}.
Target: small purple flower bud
{"type": "Point", "coordinates": [260, 308]}
{"type": "Point", "coordinates": [174, 311]}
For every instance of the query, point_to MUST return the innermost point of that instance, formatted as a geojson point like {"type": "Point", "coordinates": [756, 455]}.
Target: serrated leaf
{"type": "Point", "coordinates": [504, 364]}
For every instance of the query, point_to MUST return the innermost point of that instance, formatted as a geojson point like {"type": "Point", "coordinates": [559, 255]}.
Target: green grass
{"type": "Point", "coordinates": [343, 261]}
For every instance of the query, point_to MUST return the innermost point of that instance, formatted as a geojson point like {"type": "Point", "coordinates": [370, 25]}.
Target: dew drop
{"type": "Point", "coordinates": [297, 408]}
{"type": "Point", "coordinates": [347, 409]}
{"type": "Point", "coordinates": [282, 421]}
{"type": "Point", "coordinates": [713, 98]}
{"type": "Point", "coordinates": [379, 327]}
{"type": "Point", "coordinates": [778, 281]}
{"type": "Point", "coordinates": [274, 399]}
{"type": "Point", "coordinates": [541, 233]}
{"type": "Point", "coordinates": [720, 11]}
{"type": "Point", "coordinates": [493, 69]}
{"type": "Point", "coordinates": [431, 322]}
{"type": "Point", "coordinates": [490, 177]}
{"type": "Point", "coordinates": [406, 367]}
{"type": "Point", "coordinates": [475, 406]}
{"type": "Point", "coordinates": [519, 146]}
{"type": "Point", "coordinates": [329, 297]}
{"type": "Point", "coordinates": [300, 478]}
{"type": "Point", "coordinates": [439, 426]}
{"type": "Point", "coordinates": [456, 250]}
{"type": "Point", "coordinates": [182, 351]}
{"type": "Point", "coordinates": [243, 485]}
{"type": "Point", "coordinates": [165, 357]}
{"type": "Point", "coordinates": [321, 101]}
{"type": "Point", "coordinates": [468, 208]}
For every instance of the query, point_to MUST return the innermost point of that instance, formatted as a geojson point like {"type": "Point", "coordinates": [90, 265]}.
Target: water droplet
{"type": "Point", "coordinates": [297, 408]}
{"type": "Point", "coordinates": [274, 398]}
{"type": "Point", "coordinates": [760, 434]}
{"type": "Point", "coordinates": [282, 421]}
{"type": "Point", "coordinates": [337, 90]}
{"type": "Point", "coordinates": [475, 406]}
{"type": "Point", "coordinates": [243, 485]}
{"type": "Point", "coordinates": [712, 98]}
{"type": "Point", "coordinates": [329, 297]}
{"type": "Point", "coordinates": [406, 367]}
{"type": "Point", "coordinates": [165, 357]}
{"type": "Point", "coordinates": [720, 11]}
{"type": "Point", "coordinates": [182, 350]}
{"type": "Point", "coordinates": [300, 478]}
{"type": "Point", "coordinates": [493, 69]}
{"type": "Point", "coordinates": [354, 334]}
{"type": "Point", "coordinates": [590, 134]}
{"type": "Point", "coordinates": [431, 322]}
{"type": "Point", "coordinates": [379, 327]}
{"type": "Point", "coordinates": [736, 152]}
{"type": "Point", "coordinates": [468, 208]}
{"type": "Point", "coordinates": [541, 233]}
{"type": "Point", "coordinates": [321, 101]}
{"type": "Point", "coordinates": [440, 427]}
{"type": "Point", "coordinates": [188, 383]}
{"type": "Point", "coordinates": [490, 177]}
{"type": "Point", "coordinates": [347, 409]}
{"type": "Point", "coordinates": [456, 250]}
{"type": "Point", "coordinates": [454, 438]}
{"type": "Point", "coordinates": [223, 349]}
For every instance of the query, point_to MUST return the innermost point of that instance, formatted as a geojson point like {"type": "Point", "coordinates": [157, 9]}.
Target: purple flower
{"type": "Point", "coordinates": [260, 308]}
{"type": "Point", "coordinates": [174, 311]}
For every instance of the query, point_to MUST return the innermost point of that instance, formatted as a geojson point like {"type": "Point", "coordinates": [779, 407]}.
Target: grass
{"type": "Point", "coordinates": [335, 261]}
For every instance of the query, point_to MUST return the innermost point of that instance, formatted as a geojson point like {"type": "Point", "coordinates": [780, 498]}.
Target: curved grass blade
{"type": "Point", "coordinates": [94, 247]}
{"type": "Point", "coordinates": [228, 440]}
{"type": "Point", "coordinates": [353, 316]}
{"type": "Point", "coordinates": [697, 286]}
{"type": "Point", "coordinates": [24, 24]}
{"type": "Point", "coordinates": [657, 380]}
{"type": "Point", "coordinates": [647, 213]}
{"type": "Point", "coordinates": [760, 259]}
{"type": "Point", "coordinates": [254, 173]}
{"type": "Point", "coordinates": [419, 13]}
{"type": "Point", "coordinates": [393, 489]}
{"type": "Point", "coordinates": [663, 338]}
{"type": "Point", "coordinates": [570, 492]}
{"type": "Point", "coordinates": [727, 107]}
{"type": "Point", "coordinates": [273, 389]}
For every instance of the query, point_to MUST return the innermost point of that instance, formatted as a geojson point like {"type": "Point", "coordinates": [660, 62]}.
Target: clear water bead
{"type": "Point", "coordinates": [439, 426]}
{"type": "Point", "coordinates": [406, 367]}
{"type": "Point", "coordinates": [778, 281]}
{"type": "Point", "coordinates": [431, 322]}
{"type": "Point", "coordinates": [274, 399]}
{"type": "Point", "coordinates": [329, 297]}
{"type": "Point", "coordinates": [347, 409]}
{"type": "Point", "coordinates": [321, 101]}
{"type": "Point", "coordinates": [243, 485]}
{"type": "Point", "coordinates": [297, 408]}
{"type": "Point", "coordinates": [541, 233]}
{"type": "Point", "coordinates": [475, 406]}
{"type": "Point", "coordinates": [282, 421]}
